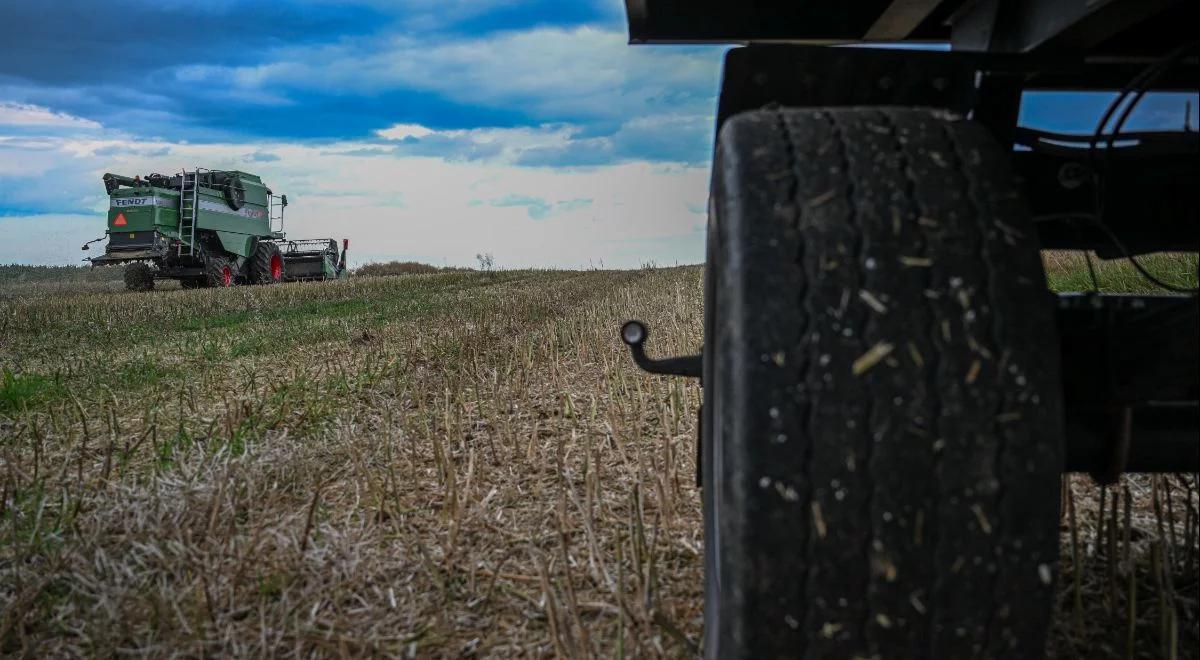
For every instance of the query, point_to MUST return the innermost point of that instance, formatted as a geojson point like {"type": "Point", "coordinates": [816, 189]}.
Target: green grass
{"type": "Point", "coordinates": [20, 390]}
{"type": "Point", "coordinates": [1068, 271]}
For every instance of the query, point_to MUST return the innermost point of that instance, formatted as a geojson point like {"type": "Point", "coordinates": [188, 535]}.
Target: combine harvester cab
{"type": "Point", "coordinates": [207, 228]}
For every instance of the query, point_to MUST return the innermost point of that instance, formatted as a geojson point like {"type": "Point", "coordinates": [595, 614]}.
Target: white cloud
{"type": "Point", "coordinates": [667, 138]}
{"type": "Point", "coordinates": [34, 116]}
{"type": "Point", "coordinates": [399, 207]}
{"type": "Point", "coordinates": [402, 131]}
{"type": "Point", "coordinates": [48, 239]}
{"type": "Point", "coordinates": [548, 72]}
{"type": "Point", "coordinates": [500, 145]}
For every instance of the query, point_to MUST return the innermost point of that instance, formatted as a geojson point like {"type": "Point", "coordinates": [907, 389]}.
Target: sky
{"type": "Point", "coordinates": [428, 130]}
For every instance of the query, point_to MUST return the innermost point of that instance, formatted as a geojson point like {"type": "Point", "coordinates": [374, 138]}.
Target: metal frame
{"type": "Point", "coordinates": [1152, 207]}
{"type": "Point", "coordinates": [1130, 363]}
{"type": "Point", "coordinates": [1129, 383]}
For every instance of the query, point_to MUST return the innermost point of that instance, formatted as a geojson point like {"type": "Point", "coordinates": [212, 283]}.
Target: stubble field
{"type": "Point", "coordinates": [439, 464]}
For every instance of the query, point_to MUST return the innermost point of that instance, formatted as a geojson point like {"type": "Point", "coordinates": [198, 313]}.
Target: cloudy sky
{"type": "Point", "coordinates": [420, 129]}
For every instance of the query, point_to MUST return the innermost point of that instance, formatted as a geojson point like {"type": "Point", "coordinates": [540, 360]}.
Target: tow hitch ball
{"type": "Point", "coordinates": [634, 333]}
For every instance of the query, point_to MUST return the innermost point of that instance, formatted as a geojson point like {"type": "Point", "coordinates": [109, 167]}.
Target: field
{"type": "Point", "coordinates": [425, 464]}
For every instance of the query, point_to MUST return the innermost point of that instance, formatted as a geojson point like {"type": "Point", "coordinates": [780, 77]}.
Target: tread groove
{"type": "Point", "coordinates": [856, 255]}
{"type": "Point", "coordinates": [933, 357]}
{"type": "Point", "coordinates": [987, 284]}
{"type": "Point", "coordinates": [805, 364]}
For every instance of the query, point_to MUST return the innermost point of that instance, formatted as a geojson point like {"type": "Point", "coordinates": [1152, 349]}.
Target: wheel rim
{"type": "Point", "coordinates": [276, 267]}
{"type": "Point", "coordinates": [226, 276]}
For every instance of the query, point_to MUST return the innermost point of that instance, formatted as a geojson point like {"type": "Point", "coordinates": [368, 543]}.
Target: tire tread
{"type": "Point", "coordinates": [868, 511]}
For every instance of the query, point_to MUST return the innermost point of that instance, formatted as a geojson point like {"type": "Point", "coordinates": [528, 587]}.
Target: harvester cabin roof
{"type": "Point", "coordinates": [1109, 27]}
{"type": "Point", "coordinates": [813, 21]}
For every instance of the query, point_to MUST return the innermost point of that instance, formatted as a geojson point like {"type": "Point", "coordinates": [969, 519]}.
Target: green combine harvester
{"type": "Point", "coordinates": [207, 228]}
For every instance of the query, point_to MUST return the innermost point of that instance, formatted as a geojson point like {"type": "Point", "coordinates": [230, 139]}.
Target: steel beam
{"type": "Point", "coordinates": [1024, 26]}
{"type": "Point", "coordinates": [900, 18]}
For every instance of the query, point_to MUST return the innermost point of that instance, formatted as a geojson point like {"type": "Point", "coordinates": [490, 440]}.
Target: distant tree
{"type": "Point", "coordinates": [486, 261]}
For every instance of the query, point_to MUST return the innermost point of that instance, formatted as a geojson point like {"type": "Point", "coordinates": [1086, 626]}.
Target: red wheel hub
{"type": "Point", "coordinates": [226, 276]}
{"type": "Point", "coordinates": [276, 267]}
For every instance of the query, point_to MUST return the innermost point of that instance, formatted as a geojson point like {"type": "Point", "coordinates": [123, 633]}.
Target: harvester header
{"type": "Point", "coordinates": [207, 228]}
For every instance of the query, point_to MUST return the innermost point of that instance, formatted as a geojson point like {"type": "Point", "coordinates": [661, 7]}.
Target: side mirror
{"type": "Point", "coordinates": [283, 200]}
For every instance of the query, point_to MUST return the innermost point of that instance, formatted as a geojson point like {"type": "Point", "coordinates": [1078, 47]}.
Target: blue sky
{"type": "Point", "coordinates": [420, 129]}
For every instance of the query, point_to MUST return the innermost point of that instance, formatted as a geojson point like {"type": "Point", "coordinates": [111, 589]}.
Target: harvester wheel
{"type": "Point", "coordinates": [883, 423]}
{"type": "Point", "coordinates": [139, 277]}
{"type": "Point", "coordinates": [235, 192]}
{"type": "Point", "coordinates": [266, 266]}
{"type": "Point", "coordinates": [219, 272]}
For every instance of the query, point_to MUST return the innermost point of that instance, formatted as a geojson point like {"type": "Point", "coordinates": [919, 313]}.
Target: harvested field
{"type": "Point", "coordinates": [422, 465]}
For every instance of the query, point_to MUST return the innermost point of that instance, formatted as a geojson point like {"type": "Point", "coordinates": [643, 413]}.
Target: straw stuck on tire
{"type": "Point", "coordinates": [883, 473]}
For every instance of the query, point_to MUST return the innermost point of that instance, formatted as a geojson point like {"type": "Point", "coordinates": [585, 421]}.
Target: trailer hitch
{"type": "Point", "coordinates": [634, 333]}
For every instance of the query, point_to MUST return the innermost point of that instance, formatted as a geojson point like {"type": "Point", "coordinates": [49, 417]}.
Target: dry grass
{"type": "Point", "coordinates": [431, 465]}
{"type": "Point", "coordinates": [399, 268]}
{"type": "Point", "coordinates": [1128, 575]}
{"type": "Point", "coordinates": [27, 281]}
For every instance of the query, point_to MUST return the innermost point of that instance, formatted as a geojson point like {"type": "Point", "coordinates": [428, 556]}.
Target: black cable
{"type": "Point", "coordinates": [1087, 255]}
{"type": "Point", "coordinates": [1160, 68]}
{"type": "Point", "coordinates": [1139, 85]}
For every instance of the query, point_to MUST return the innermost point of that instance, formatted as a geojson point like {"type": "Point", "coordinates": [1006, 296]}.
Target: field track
{"type": "Point", "coordinates": [431, 465]}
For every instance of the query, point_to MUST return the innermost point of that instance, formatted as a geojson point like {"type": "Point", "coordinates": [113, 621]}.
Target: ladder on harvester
{"type": "Point", "coordinates": [189, 200]}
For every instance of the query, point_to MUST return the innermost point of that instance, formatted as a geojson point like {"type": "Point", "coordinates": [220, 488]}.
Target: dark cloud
{"type": "Point", "coordinates": [449, 147]}
{"type": "Point", "coordinates": [124, 150]}
{"type": "Point", "coordinates": [91, 42]}
{"type": "Point", "coordinates": [538, 208]}
{"type": "Point", "coordinates": [261, 157]}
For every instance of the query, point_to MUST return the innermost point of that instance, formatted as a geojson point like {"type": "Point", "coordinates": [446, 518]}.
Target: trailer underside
{"type": "Point", "coordinates": [1114, 192]}
{"type": "Point", "coordinates": [1126, 27]}
{"type": "Point", "coordinates": [881, 356]}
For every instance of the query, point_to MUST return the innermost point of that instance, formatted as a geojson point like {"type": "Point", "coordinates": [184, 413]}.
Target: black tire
{"type": "Point", "coordinates": [235, 192]}
{"type": "Point", "coordinates": [139, 277]}
{"type": "Point", "coordinates": [266, 264]}
{"type": "Point", "coordinates": [219, 272]}
{"type": "Point", "coordinates": [883, 415]}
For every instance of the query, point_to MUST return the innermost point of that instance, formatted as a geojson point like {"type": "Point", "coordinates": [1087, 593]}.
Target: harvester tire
{"type": "Point", "coordinates": [235, 192]}
{"type": "Point", "coordinates": [139, 277]}
{"type": "Point", "coordinates": [266, 264]}
{"type": "Point", "coordinates": [219, 272]}
{"type": "Point", "coordinates": [883, 418]}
